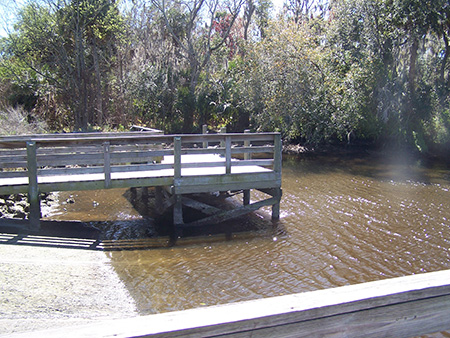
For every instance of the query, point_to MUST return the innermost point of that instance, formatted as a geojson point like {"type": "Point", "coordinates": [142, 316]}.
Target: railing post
{"type": "Point", "coordinates": [178, 206]}
{"type": "Point", "coordinates": [107, 164]}
{"type": "Point", "coordinates": [223, 130]}
{"type": "Point", "coordinates": [247, 156]}
{"type": "Point", "coordinates": [33, 188]}
{"type": "Point", "coordinates": [228, 155]}
{"type": "Point", "coordinates": [204, 132]}
{"type": "Point", "coordinates": [277, 163]}
{"type": "Point", "coordinates": [277, 157]}
{"type": "Point", "coordinates": [177, 157]}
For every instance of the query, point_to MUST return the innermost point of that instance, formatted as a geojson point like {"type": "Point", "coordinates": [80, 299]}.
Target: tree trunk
{"type": "Point", "coordinates": [98, 86]}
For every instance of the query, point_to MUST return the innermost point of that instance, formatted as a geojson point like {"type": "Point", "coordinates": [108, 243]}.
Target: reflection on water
{"type": "Point", "coordinates": [344, 220]}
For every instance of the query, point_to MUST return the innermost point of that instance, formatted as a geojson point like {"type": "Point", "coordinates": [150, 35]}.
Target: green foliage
{"type": "Point", "coordinates": [63, 52]}
{"type": "Point", "coordinates": [358, 70]}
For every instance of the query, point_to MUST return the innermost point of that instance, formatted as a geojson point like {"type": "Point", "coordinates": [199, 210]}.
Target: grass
{"type": "Point", "coordinates": [17, 121]}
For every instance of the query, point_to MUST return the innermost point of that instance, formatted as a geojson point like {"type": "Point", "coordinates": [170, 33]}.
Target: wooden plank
{"type": "Point", "coordinates": [234, 213]}
{"type": "Point", "coordinates": [220, 164]}
{"type": "Point", "coordinates": [14, 189]}
{"type": "Point", "coordinates": [94, 135]}
{"type": "Point", "coordinates": [16, 152]}
{"type": "Point", "coordinates": [263, 162]}
{"type": "Point", "coordinates": [398, 307]}
{"type": "Point", "coordinates": [70, 159]}
{"type": "Point", "coordinates": [135, 147]}
{"type": "Point", "coordinates": [48, 171]}
{"type": "Point", "coordinates": [64, 139]}
{"type": "Point", "coordinates": [12, 174]}
{"type": "Point", "coordinates": [225, 179]}
{"type": "Point", "coordinates": [12, 164]}
{"type": "Point", "coordinates": [142, 182]}
{"type": "Point", "coordinates": [252, 150]}
{"type": "Point", "coordinates": [49, 150]}
{"type": "Point", "coordinates": [229, 186]}
{"type": "Point", "coordinates": [220, 151]}
{"type": "Point", "coordinates": [202, 207]}
{"type": "Point", "coordinates": [140, 167]}
{"type": "Point", "coordinates": [130, 156]}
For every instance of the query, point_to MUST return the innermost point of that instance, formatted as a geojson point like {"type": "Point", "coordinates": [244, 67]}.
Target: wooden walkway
{"type": "Point", "coordinates": [177, 165]}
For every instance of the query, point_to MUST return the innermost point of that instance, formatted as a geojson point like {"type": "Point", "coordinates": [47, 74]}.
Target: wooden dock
{"type": "Point", "coordinates": [176, 165]}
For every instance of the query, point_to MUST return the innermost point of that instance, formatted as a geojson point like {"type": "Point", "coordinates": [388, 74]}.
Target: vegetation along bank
{"type": "Point", "coordinates": [318, 71]}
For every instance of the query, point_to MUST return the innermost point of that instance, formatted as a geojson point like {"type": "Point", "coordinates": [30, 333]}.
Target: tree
{"type": "Point", "coordinates": [69, 46]}
{"type": "Point", "coordinates": [194, 34]}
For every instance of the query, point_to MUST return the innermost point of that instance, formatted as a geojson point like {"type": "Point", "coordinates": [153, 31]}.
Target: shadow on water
{"type": "Point", "coordinates": [138, 229]}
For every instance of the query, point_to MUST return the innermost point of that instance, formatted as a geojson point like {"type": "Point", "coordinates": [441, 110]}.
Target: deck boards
{"type": "Point", "coordinates": [199, 171]}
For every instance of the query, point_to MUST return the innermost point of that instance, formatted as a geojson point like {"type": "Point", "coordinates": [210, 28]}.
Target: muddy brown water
{"type": "Point", "coordinates": [344, 220]}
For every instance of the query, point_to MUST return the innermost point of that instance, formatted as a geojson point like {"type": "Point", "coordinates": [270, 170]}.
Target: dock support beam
{"type": "Point", "coordinates": [246, 198]}
{"type": "Point", "coordinates": [33, 188]}
{"type": "Point", "coordinates": [276, 206]}
{"type": "Point", "coordinates": [178, 216]}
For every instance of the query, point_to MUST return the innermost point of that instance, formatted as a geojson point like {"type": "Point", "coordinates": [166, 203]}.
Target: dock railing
{"type": "Point", "coordinates": [71, 162]}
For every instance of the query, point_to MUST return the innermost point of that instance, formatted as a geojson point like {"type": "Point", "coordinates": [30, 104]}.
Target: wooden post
{"type": "Point", "coordinates": [277, 163]}
{"type": "Point", "coordinates": [178, 206]}
{"type": "Point", "coordinates": [223, 130]}
{"type": "Point", "coordinates": [247, 156]}
{"type": "Point", "coordinates": [205, 131]}
{"type": "Point", "coordinates": [177, 157]}
{"type": "Point", "coordinates": [276, 206]}
{"type": "Point", "coordinates": [246, 198]}
{"type": "Point", "coordinates": [33, 188]}
{"type": "Point", "coordinates": [228, 155]}
{"type": "Point", "coordinates": [107, 164]}
{"type": "Point", "coordinates": [277, 157]}
{"type": "Point", "coordinates": [133, 192]}
{"type": "Point", "coordinates": [159, 200]}
{"type": "Point", "coordinates": [178, 211]}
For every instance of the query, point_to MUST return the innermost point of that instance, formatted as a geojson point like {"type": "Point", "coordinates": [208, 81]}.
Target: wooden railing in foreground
{"type": "Point", "coordinates": [399, 307]}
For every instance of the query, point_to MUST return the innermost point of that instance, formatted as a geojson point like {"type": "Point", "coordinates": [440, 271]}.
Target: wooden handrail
{"type": "Point", "coordinates": [399, 308]}
{"type": "Point", "coordinates": [20, 141]}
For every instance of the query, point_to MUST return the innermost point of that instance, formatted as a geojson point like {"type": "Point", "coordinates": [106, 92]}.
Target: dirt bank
{"type": "Point", "coordinates": [46, 287]}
